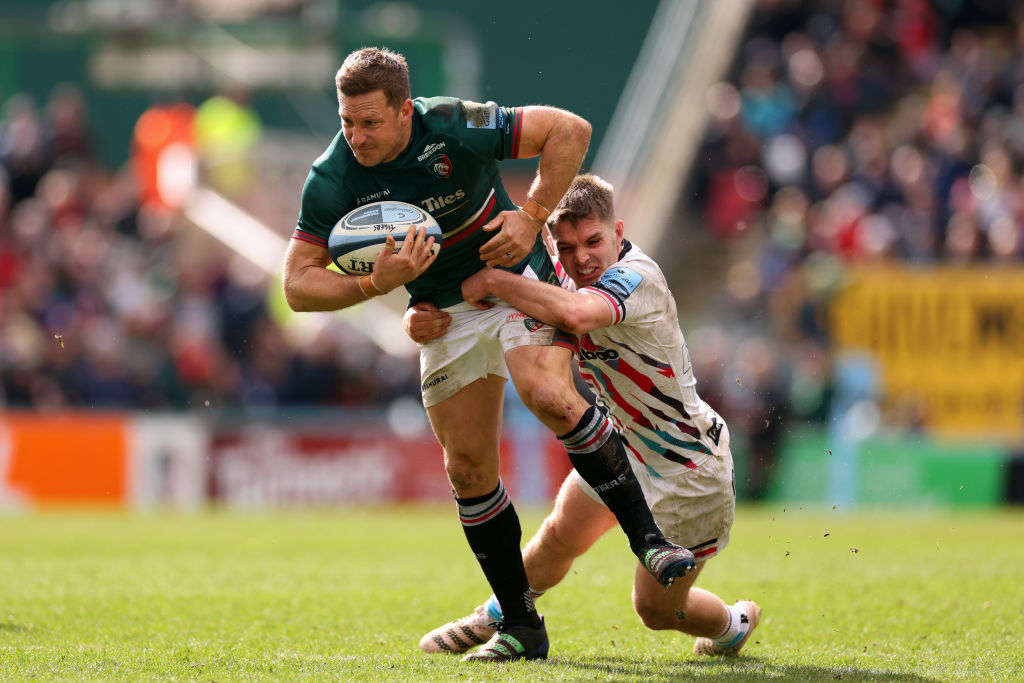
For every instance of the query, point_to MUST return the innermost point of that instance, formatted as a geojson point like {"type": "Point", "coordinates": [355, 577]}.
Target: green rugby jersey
{"type": "Point", "coordinates": [449, 168]}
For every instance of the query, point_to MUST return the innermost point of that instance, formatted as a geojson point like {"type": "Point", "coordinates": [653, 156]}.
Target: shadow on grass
{"type": "Point", "coordinates": [13, 628]}
{"type": "Point", "coordinates": [738, 669]}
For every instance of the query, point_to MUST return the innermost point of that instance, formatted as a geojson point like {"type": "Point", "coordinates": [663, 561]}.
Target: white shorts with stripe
{"type": "Point", "coordinates": [474, 346]}
{"type": "Point", "coordinates": [693, 507]}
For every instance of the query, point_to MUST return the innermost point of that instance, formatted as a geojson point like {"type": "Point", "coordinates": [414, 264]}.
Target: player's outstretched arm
{"type": "Point", "coordinates": [310, 286]}
{"type": "Point", "coordinates": [575, 312]}
{"type": "Point", "coordinates": [561, 139]}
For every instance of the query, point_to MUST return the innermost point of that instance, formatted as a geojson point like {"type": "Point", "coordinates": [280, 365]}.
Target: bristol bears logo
{"type": "Point", "coordinates": [440, 165]}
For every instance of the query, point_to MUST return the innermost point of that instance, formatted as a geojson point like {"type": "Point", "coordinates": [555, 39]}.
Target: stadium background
{"type": "Point", "coordinates": [833, 188]}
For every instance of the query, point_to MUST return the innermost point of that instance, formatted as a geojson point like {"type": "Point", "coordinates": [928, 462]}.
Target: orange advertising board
{"type": "Point", "coordinates": [63, 458]}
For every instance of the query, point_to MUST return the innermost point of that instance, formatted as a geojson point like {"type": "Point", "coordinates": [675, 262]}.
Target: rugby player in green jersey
{"type": "Point", "coordinates": [442, 154]}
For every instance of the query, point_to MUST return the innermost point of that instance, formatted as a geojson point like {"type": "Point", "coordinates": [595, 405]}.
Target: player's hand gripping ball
{"type": "Point", "coordinates": [357, 239]}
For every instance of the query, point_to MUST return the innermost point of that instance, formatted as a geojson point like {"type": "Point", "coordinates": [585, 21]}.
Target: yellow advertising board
{"type": "Point", "coordinates": [949, 342]}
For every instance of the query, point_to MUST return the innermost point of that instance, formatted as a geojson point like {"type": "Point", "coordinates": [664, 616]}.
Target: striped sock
{"type": "Point", "coordinates": [735, 628]}
{"type": "Point", "coordinates": [494, 608]}
{"type": "Point", "coordinates": [492, 528]}
{"type": "Point", "coordinates": [596, 451]}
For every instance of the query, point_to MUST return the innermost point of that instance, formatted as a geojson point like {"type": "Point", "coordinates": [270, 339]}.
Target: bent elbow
{"type": "Point", "coordinates": [572, 323]}
{"type": "Point", "coordinates": [293, 299]}
{"type": "Point", "coordinates": [582, 130]}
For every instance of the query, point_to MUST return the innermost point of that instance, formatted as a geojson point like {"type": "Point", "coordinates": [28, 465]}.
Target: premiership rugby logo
{"type": "Point", "coordinates": [440, 165]}
{"type": "Point", "coordinates": [533, 325]}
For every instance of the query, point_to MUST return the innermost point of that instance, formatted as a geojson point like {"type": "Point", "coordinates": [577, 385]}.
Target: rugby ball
{"type": "Point", "coordinates": [356, 240]}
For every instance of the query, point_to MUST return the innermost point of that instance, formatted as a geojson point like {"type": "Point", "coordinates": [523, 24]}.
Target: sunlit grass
{"type": "Point", "coordinates": [346, 594]}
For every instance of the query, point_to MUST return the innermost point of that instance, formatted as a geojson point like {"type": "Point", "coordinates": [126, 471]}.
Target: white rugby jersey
{"type": "Point", "coordinates": [640, 368]}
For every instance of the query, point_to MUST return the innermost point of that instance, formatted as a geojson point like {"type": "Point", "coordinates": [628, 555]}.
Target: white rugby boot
{"type": "Point", "coordinates": [460, 635]}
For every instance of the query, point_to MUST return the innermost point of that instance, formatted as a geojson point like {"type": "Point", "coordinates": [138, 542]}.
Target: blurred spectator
{"type": "Point", "coordinates": [851, 132]}
{"type": "Point", "coordinates": [227, 131]}
{"type": "Point", "coordinates": [109, 302]}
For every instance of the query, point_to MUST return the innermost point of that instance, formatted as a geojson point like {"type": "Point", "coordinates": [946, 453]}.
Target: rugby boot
{"type": "Point", "coordinates": [460, 635]}
{"type": "Point", "coordinates": [510, 643]}
{"type": "Point", "coordinates": [667, 562]}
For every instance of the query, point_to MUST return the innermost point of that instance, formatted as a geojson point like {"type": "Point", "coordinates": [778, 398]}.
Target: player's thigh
{"type": "Point", "coordinates": [543, 378]}
{"type": "Point", "coordinates": [468, 427]}
{"type": "Point", "coordinates": [469, 351]}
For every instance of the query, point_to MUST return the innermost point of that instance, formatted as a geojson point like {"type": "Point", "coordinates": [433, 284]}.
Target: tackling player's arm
{"type": "Point", "coordinates": [561, 139]}
{"type": "Point", "coordinates": [424, 321]}
{"type": "Point", "coordinates": [310, 286]}
{"type": "Point", "coordinates": [575, 312]}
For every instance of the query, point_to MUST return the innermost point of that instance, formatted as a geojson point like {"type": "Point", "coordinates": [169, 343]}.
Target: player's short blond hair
{"type": "Point", "coordinates": [374, 68]}
{"type": "Point", "coordinates": [589, 196]}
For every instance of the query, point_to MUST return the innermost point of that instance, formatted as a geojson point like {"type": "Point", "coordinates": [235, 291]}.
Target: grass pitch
{"type": "Point", "coordinates": [343, 595]}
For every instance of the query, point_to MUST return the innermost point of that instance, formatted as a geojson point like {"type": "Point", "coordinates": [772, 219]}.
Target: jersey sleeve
{"type": "Point", "coordinates": [627, 291]}
{"type": "Point", "coordinates": [490, 130]}
{"type": "Point", "coordinates": [321, 208]}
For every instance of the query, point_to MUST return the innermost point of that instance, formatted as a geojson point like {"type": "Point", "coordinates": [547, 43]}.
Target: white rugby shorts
{"type": "Point", "coordinates": [474, 346]}
{"type": "Point", "coordinates": [694, 508]}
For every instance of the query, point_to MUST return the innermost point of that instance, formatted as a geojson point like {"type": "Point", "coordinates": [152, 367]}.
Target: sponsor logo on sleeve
{"type": "Point", "coordinates": [620, 281]}
{"type": "Point", "coordinates": [481, 115]}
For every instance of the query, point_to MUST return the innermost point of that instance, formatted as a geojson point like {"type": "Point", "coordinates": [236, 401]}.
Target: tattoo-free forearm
{"type": "Point", "coordinates": [562, 150]}
{"type": "Point", "coordinates": [317, 289]}
{"type": "Point", "coordinates": [574, 312]}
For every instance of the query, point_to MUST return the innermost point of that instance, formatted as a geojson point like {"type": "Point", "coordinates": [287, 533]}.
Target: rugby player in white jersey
{"type": "Point", "coordinates": [620, 318]}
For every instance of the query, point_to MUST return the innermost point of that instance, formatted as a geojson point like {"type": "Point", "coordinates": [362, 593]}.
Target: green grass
{"type": "Point", "coordinates": [341, 595]}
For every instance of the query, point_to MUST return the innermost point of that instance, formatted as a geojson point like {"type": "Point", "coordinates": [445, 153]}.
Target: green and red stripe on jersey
{"type": "Point", "coordinates": [517, 131]}
{"type": "Point", "coordinates": [312, 238]}
{"type": "Point", "coordinates": [475, 222]}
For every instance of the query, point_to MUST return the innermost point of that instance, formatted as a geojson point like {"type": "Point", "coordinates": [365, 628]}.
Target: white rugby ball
{"type": "Point", "coordinates": [356, 240]}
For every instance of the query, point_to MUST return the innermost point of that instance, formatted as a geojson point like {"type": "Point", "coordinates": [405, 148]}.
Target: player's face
{"type": "Point", "coordinates": [588, 248]}
{"type": "Point", "coordinates": [375, 132]}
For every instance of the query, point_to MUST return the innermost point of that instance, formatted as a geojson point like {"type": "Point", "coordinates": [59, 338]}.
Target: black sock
{"type": "Point", "coordinates": [596, 451]}
{"type": "Point", "coordinates": [493, 531]}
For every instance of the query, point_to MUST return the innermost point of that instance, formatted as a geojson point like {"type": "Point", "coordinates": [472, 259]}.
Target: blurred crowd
{"type": "Point", "coordinates": [108, 303]}
{"type": "Point", "coordinates": [849, 132]}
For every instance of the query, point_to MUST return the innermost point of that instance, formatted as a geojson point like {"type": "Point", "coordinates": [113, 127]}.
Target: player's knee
{"type": "Point", "coordinates": [465, 475]}
{"type": "Point", "coordinates": [553, 405]}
